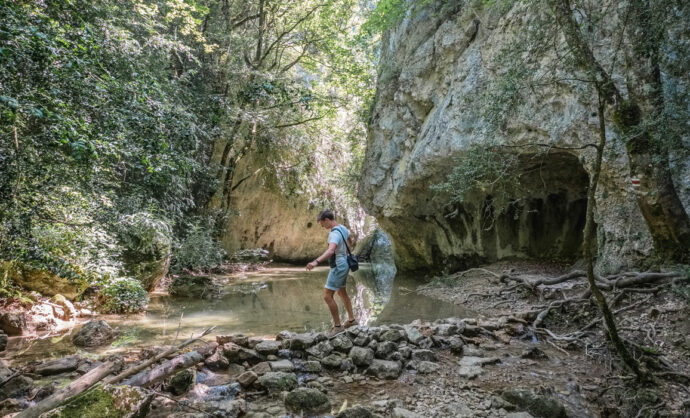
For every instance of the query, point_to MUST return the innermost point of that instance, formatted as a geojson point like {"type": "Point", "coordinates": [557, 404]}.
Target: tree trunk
{"type": "Point", "coordinates": [169, 367]}
{"type": "Point", "coordinates": [588, 246]}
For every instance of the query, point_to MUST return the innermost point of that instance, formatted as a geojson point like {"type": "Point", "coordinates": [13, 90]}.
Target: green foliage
{"type": "Point", "coordinates": [198, 251]}
{"type": "Point", "coordinates": [486, 169]}
{"type": "Point", "coordinates": [123, 295]}
{"type": "Point", "coordinates": [144, 233]}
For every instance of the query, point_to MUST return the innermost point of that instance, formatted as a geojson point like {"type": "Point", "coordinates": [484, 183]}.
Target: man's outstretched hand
{"type": "Point", "coordinates": [311, 265]}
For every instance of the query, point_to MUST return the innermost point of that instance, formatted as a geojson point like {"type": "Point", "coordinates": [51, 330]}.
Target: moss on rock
{"type": "Point", "coordinates": [105, 402]}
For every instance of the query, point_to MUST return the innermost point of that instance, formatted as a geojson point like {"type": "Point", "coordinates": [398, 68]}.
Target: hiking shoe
{"type": "Point", "coordinates": [335, 331]}
{"type": "Point", "coordinates": [350, 323]}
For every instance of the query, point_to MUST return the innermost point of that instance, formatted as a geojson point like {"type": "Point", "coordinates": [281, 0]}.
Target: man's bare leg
{"type": "Point", "coordinates": [332, 306]}
{"type": "Point", "coordinates": [347, 302]}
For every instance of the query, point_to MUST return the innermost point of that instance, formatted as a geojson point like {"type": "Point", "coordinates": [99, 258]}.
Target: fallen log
{"type": "Point", "coordinates": [136, 369]}
{"type": "Point", "coordinates": [71, 390]}
{"type": "Point", "coordinates": [169, 367]}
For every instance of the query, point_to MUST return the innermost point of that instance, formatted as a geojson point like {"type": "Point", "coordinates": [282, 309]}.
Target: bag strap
{"type": "Point", "coordinates": [344, 240]}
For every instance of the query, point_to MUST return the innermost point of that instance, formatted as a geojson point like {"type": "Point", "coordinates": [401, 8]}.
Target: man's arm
{"type": "Point", "coordinates": [329, 252]}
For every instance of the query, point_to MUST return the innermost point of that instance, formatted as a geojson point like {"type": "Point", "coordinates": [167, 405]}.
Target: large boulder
{"type": "Point", "coordinates": [106, 401]}
{"type": "Point", "coordinates": [42, 281]}
{"type": "Point", "coordinates": [13, 323]}
{"type": "Point", "coordinates": [539, 406]}
{"type": "Point", "coordinates": [307, 401]}
{"type": "Point", "coordinates": [94, 334]}
{"type": "Point", "coordinates": [361, 356]}
{"type": "Point", "coordinates": [15, 387]}
{"type": "Point", "coordinates": [62, 365]}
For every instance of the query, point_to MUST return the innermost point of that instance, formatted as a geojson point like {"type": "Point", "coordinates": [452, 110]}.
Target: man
{"type": "Point", "coordinates": [336, 252]}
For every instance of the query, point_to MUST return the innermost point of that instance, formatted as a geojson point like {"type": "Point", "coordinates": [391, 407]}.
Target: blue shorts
{"type": "Point", "coordinates": [338, 275]}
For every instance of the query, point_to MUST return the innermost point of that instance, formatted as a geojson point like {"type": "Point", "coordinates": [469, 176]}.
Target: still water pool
{"type": "Point", "coordinates": [261, 303]}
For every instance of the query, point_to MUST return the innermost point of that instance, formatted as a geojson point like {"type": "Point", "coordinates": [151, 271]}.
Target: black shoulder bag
{"type": "Point", "coordinates": [352, 262]}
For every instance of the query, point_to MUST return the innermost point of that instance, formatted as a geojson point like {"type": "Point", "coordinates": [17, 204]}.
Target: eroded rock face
{"type": "Point", "coordinates": [427, 112]}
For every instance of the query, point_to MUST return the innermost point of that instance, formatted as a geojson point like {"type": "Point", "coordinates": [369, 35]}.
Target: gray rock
{"type": "Point", "coordinates": [405, 352]}
{"type": "Point", "coordinates": [321, 349]}
{"type": "Point", "coordinates": [62, 365]}
{"type": "Point", "coordinates": [239, 339]}
{"type": "Point", "coordinates": [424, 355]}
{"type": "Point", "coordinates": [332, 361]}
{"type": "Point", "coordinates": [94, 334]}
{"type": "Point", "coordinates": [276, 382]}
{"type": "Point", "coordinates": [456, 345]}
{"type": "Point", "coordinates": [473, 351]}
{"type": "Point", "coordinates": [262, 368]}
{"type": "Point", "coordinates": [385, 348]}
{"type": "Point", "coordinates": [361, 340]}
{"type": "Point", "coordinates": [347, 364]}
{"type": "Point", "coordinates": [113, 401]}
{"type": "Point", "coordinates": [446, 330]}
{"type": "Point", "coordinates": [361, 356]}
{"type": "Point", "coordinates": [358, 411]}
{"type": "Point", "coordinates": [307, 401]}
{"type": "Point", "coordinates": [284, 335]}
{"type": "Point", "coordinates": [9, 406]}
{"type": "Point", "coordinates": [404, 413]}
{"type": "Point", "coordinates": [13, 323]}
{"type": "Point", "coordinates": [384, 369]}
{"type": "Point", "coordinates": [537, 405]}
{"type": "Point", "coordinates": [395, 356]}
{"type": "Point", "coordinates": [394, 335]}
{"type": "Point", "coordinates": [423, 367]}
{"type": "Point", "coordinates": [299, 341]}
{"type": "Point", "coordinates": [341, 343]}
{"type": "Point", "coordinates": [519, 415]}
{"type": "Point", "coordinates": [412, 334]}
{"type": "Point", "coordinates": [3, 340]}
{"type": "Point", "coordinates": [282, 366]}
{"type": "Point", "coordinates": [311, 366]}
{"type": "Point", "coordinates": [426, 343]}
{"type": "Point", "coordinates": [534, 353]}
{"type": "Point", "coordinates": [471, 367]}
{"type": "Point", "coordinates": [267, 347]}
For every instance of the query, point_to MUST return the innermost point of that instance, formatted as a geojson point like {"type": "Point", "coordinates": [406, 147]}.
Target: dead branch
{"type": "Point", "coordinates": [169, 367]}
{"type": "Point", "coordinates": [71, 390]}
{"type": "Point", "coordinates": [166, 353]}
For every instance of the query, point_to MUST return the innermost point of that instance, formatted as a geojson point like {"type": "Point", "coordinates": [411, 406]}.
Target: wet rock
{"type": "Point", "coordinates": [393, 335]}
{"type": "Point", "coordinates": [247, 378]}
{"type": "Point", "coordinates": [183, 381]}
{"type": "Point", "coordinates": [267, 347]}
{"type": "Point", "coordinates": [276, 382]}
{"type": "Point", "coordinates": [534, 353]}
{"type": "Point", "coordinates": [538, 405]}
{"type": "Point", "coordinates": [361, 356]}
{"type": "Point", "coordinates": [68, 309]}
{"type": "Point", "coordinates": [282, 366]}
{"type": "Point", "coordinates": [221, 393]}
{"type": "Point", "coordinates": [384, 369]}
{"type": "Point", "coordinates": [3, 340]}
{"type": "Point", "coordinates": [404, 413]}
{"type": "Point", "coordinates": [332, 361]}
{"type": "Point", "coordinates": [106, 401]}
{"type": "Point", "coordinates": [423, 367]}
{"type": "Point", "coordinates": [423, 355]}
{"type": "Point", "coordinates": [62, 365]}
{"type": "Point", "coordinates": [358, 411]}
{"type": "Point", "coordinates": [217, 361]}
{"type": "Point", "coordinates": [385, 348]}
{"type": "Point", "coordinates": [321, 349]}
{"type": "Point", "coordinates": [16, 387]}
{"type": "Point", "coordinates": [94, 334]}
{"type": "Point", "coordinates": [456, 344]}
{"type": "Point", "coordinates": [341, 343]}
{"type": "Point", "coordinates": [13, 323]}
{"type": "Point", "coordinates": [307, 401]}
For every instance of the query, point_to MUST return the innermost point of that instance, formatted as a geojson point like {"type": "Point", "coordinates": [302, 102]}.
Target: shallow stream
{"type": "Point", "coordinates": [258, 303]}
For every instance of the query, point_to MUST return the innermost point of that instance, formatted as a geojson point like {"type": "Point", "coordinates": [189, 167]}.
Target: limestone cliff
{"type": "Point", "coordinates": [432, 64]}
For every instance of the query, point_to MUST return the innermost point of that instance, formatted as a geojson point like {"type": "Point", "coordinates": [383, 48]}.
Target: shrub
{"type": "Point", "coordinates": [145, 234]}
{"type": "Point", "coordinates": [199, 251]}
{"type": "Point", "coordinates": [123, 295]}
